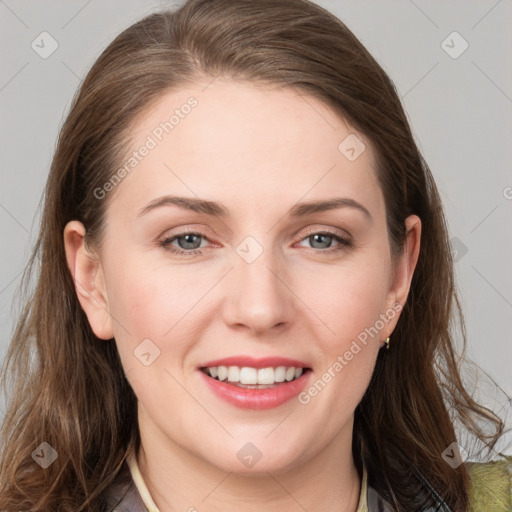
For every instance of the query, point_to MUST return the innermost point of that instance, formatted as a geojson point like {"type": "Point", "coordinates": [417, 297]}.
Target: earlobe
{"type": "Point", "coordinates": [87, 274]}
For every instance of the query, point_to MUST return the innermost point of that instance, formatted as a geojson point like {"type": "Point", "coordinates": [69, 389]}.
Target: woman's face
{"type": "Point", "coordinates": [272, 277]}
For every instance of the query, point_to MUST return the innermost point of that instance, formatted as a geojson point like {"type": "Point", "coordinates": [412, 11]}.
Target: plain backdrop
{"type": "Point", "coordinates": [451, 64]}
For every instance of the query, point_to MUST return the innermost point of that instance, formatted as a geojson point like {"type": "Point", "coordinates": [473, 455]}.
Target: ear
{"type": "Point", "coordinates": [87, 274]}
{"type": "Point", "coordinates": [403, 272]}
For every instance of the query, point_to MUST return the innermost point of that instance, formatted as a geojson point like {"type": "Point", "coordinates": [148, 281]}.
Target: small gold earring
{"type": "Point", "coordinates": [386, 341]}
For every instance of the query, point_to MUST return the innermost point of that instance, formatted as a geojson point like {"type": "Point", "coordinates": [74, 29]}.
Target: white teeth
{"type": "Point", "coordinates": [249, 376]}
{"type": "Point", "coordinates": [280, 374]}
{"type": "Point", "coordinates": [222, 373]}
{"type": "Point", "coordinates": [233, 374]}
{"type": "Point", "coordinates": [290, 374]}
{"type": "Point", "coordinates": [254, 376]}
{"type": "Point", "coordinates": [265, 376]}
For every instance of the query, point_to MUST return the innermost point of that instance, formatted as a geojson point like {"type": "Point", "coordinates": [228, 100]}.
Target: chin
{"type": "Point", "coordinates": [249, 460]}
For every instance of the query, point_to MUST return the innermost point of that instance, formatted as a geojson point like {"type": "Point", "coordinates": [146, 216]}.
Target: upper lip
{"type": "Point", "coordinates": [252, 362]}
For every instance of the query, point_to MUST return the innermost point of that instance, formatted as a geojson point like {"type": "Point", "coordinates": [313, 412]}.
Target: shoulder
{"type": "Point", "coordinates": [491, 485]}
{"type": "Point", "coordinates": [490, 490]}
{"type": "Point", "coordinates": [122, 495]}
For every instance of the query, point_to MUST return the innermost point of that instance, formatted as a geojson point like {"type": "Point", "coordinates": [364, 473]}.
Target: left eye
{"type": "Point", "coordinates": [325, 238]}
{"type": "Point", "coordinates": [190, 243]}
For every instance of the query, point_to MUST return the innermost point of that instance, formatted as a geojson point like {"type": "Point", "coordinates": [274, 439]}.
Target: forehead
{"type": "Point", "coordinates": [248, 144]}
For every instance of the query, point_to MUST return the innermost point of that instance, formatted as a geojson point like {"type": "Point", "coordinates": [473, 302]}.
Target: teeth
{"type": "Point", "coordinates": [290, 374]}
{"type": "Point", "coordinates": [222, 373]}
{"type": "Point", "coordinates": [280, 374]}
{"type": "Point", "coordinates": [265, 376]}
{"type": "Point", "coordinates": [233, 374]}
{"type": "Point", "coordinates": [251, 376]}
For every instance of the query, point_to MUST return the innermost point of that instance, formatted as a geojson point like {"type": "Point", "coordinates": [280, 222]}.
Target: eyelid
{"type": "Point", "coordinates": [331, 231]}
{"type": "Point", "coordinates": [165, 240]}
{"type": "Point", "coordinates": [185, 230]}
{"type": "Point", "coordinates": [343, 241]}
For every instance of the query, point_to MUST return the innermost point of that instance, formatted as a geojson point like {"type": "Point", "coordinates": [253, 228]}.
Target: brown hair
{"type": "Point", "coordinates": [69, 388]}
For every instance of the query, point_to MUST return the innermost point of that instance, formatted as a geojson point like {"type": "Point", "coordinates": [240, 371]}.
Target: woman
{"type": "Point", "coordinates": [246, 285]}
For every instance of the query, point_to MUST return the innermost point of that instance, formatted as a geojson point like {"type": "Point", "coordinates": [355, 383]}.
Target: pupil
{"type": "Point", "coordinates": [320, 237]}
{"type": "Point", "coordinates": [187, 243]}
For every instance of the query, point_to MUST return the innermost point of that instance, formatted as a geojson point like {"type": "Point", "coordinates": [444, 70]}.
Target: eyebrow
{"type": "Point", "coordinates": [219, 210]}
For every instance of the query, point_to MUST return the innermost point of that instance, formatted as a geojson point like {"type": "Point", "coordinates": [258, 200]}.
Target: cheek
{"type": "Point", "coordinates": [348, 338]}
{"type": "Point", "coordinates": [347, 300]}
{"type": "Point", "coordinates": [149, 300]}
{"type": "Point", "coordinates": [156, 304]}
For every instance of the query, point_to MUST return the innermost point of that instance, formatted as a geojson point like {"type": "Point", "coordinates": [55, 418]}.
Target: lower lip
{"type": "Point", "coordinates": [259, 399]}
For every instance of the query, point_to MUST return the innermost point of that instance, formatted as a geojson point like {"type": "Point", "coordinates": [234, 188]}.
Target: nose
{"type": "Point", "coordinates": [257, 296]}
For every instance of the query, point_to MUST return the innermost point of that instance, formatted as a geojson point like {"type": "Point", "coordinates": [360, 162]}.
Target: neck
{"type": "Point", "coordinates": [178, 480]}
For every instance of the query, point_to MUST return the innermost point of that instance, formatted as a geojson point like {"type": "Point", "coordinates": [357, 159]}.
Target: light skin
{"type": "Point", "coordinates": [259, 151]}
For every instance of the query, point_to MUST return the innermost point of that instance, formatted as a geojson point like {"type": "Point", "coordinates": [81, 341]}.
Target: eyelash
{"type": "Point", "coordinates": [344, 243]}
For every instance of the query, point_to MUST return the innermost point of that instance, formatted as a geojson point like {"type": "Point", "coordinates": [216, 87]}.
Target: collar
{"type": "Point", "coordinates": [140, 484]}
{"type": "Point", "coordinates": [148, 502]}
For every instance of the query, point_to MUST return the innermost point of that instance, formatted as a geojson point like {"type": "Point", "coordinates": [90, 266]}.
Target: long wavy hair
{"type": "Point", "coordinates": [68, 388]}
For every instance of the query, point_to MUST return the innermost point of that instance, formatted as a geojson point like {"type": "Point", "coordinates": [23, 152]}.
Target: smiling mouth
{"type": "Point", "coordinates": [255, 378]}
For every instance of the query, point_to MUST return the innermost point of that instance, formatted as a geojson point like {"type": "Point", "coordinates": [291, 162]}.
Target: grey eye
{"type": "Point", "coordinates": [323, 240]}
{"type": "Point", "coordinates": [189, 241]}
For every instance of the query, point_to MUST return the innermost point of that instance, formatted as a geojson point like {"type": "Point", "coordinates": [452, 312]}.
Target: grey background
{"type": "Point", "coordinates": [459, 108]}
